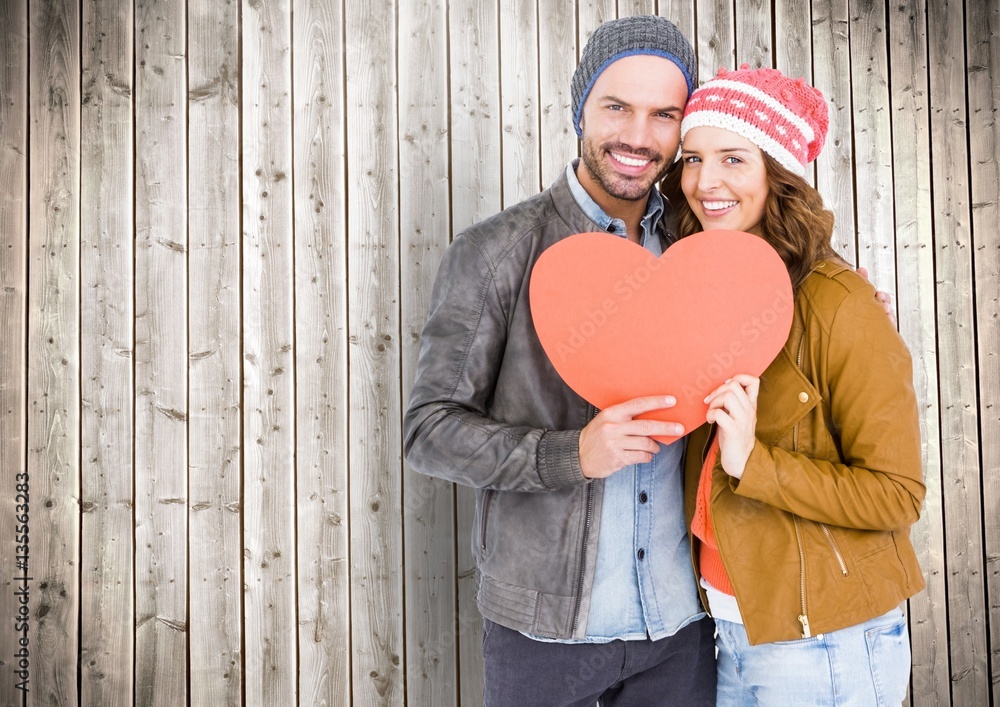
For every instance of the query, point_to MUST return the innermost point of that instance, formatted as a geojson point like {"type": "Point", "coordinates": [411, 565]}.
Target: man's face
{"type": "Point", "coordinates": [631, 124]}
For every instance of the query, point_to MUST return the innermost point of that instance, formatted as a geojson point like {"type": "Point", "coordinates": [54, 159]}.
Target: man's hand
{"type": "Point", "coordinates": [884, 298]}
{"type": "Point", "coordinates": [614, 440]}
{"type": "Point", "coordinates": [733, 408]}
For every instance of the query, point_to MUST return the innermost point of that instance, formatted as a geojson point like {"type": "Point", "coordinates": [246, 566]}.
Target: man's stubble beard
{"type": "Point", "coordinates": [615, 184]}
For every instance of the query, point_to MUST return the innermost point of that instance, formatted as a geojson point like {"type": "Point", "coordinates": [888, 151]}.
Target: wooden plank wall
{"type": "Point", "coordinates": [221, 223]}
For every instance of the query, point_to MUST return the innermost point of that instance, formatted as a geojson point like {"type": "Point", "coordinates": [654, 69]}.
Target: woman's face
{"type": "Point", "coordinates": [724, 179]}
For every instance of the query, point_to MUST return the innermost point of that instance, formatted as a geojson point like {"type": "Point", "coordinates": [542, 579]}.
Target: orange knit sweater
{"type": "Point", "coordinates": [709, 559]}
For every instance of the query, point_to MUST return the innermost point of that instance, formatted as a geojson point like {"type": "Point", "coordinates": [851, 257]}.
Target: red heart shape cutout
{"type": "Point", "coordinates": [618, 323]}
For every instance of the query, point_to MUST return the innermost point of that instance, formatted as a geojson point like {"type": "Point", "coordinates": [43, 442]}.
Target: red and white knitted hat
{"type": "Point", "coordinates": [786, 118]}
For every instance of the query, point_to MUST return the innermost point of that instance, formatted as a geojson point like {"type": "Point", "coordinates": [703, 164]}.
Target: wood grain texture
{"type": "Point", "coordinates": [321, 287]}
{"type": "Point", "coordinates": [13, 335]}
{"type": "Point", "coordinates": [270, 630]}
{"type": "Point", "coordinates": [590, 15]}
{"type": "Point", "coordinates": [432, 670]}
{"type": "Point", "coordinates": [873, 144]}
{"type": "Point", "coordinates": [982, 28]}
{"type": "Point", "coordinates": [215, 558]}
{"type": "Point", "coordinates": [475, 109]}
{"type": "Point", "coordinates": [793, 52]}
{"type": "Point", "coordinates": [475, 195]}
{"type": "Point", "coordinates": [246, 267]}
{"type": "Point", "coordinates": [374, 331]}
{"type": "Point", "coordinates": [682, 14]}
{"type": "Point", "coordinates": [716, 37]}
{"type": "Point", "coordinates": [754, 43]}
{"type": "Point", "coordinates": [557, 49]}
{"type": "Point", "coordinates": [161, 347]}
{"type": "Point", "coordinates": [519, 100]}
{"type": "Point", "coordinates": [832, 76]}
{"type": "Point", "coordinates": [915, 305]}
{"type": "Point", "coordinates": [957, 365]}
{"type": "Point", "coordinates": [107, 275]}
{"type": "Point", "coordinates": [54, 351]}
{"type": "Point", "coordinates": [626, 8]}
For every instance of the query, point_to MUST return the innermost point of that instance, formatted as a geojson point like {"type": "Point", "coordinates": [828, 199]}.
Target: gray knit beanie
{"type": "Point", "coordinates": [638, 34]}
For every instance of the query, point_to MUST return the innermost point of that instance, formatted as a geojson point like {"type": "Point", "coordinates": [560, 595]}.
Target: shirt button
{"type": "Point", "coordinates": [641, 553]}
{"type": "Point", "coordinates": [803, 397]}
{"type": "Point", "coordinates": [643, 497]}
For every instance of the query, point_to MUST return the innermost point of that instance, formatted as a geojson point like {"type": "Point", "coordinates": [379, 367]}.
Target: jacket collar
{"type": "Point", "coordinates": [571, 212]}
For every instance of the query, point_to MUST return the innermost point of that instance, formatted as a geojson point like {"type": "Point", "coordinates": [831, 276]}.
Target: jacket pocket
{"type": "Point", "coordinates": [835, 548]}
{"type": "Point", "coordinates": [485, 516]}
{"type": "Point", "coordinates": [786, 397]}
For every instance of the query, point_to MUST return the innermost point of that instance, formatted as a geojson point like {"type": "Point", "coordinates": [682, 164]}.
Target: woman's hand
{"type": "Point", "coordinates": [733, 408]}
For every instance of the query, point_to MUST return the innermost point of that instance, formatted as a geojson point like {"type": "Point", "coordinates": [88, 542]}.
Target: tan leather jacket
{"type": "Point", "coordinates": [815, 536]}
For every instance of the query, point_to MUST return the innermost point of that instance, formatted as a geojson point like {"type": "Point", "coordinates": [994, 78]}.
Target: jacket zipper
{"type": "Point", "coordinates": [583, 547]}
{"type": "Point", "coordinates": [804, 616]}
{"type": "Point", "coordinates": [583, 556]}
{"type": "Point", "coordinates": [487, 502]}
{"type": "Point", "coordinates": [798, 364]}
{"type": "Point", "coordinates": [833, 546]}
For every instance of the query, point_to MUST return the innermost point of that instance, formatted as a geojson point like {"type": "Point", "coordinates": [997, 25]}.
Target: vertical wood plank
{"type": "Point", "coordinates": [915, 267]}
{"type": "Point", "coordinates": [519, 100]}
{"type": "Point", "coordinates": [681, 13]}
{"type": "Point", "coordinates": [982, 24]}
{"type": "Point", "coordinates": [322, 373]}
{"type": "Point", "coordinates": [716, 40]}
{"type": "Point", "coordinates": [475, 96]}
{"type": "Point", "coordinates": [54, 350]}
{"type": "Point", "coordinates": [107, 607]}
{"type": "Point", "coordinates": [872, 134]}
{"type": "Point", "coordinates": [269, 365]}
{"type": "Point", "coordinates": [832, 76]}
{"type": "Point", "coordinates": [215, 628]}
{"type": "Point", "coordinates": [793, 53]}
{"type": "Point", "coordinates": [557, 51]}
{"type": "Point", "coordinates": [475, 194]}
{"type": "Point", "coordinates": [161, 347]}
{"type": "Point", "coordinates": [627, 8]}
{"type": "Point", "coordinates": [754, 44]}
{"type": "Point", "coordinates": [591, 14]}
{"type": "Point", "coordinates": [425, 225]}
{"type": "Point", "coordinates": [967, 610]}
{"type": "Point", "coordinates": [13, 333]}
{"type": "Point", "coordinates": [374, 330]}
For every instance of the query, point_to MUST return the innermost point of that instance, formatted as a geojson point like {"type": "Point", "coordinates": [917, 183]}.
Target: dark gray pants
{"type": "Point", "coordinates": [677, 670]}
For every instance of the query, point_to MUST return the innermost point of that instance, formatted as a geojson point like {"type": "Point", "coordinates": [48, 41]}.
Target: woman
{"type": "Point", "coordinates": [803, 486]}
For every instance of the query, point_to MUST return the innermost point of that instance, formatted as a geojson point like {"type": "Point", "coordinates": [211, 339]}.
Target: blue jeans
{"type": "Point", "coordinates": [863, 665]}
{"type": "Point", "coordinates": [675, 670]}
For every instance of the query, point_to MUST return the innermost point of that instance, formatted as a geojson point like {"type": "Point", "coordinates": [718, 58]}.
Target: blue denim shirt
{"type": "Point", "coordinates": [644, 586]}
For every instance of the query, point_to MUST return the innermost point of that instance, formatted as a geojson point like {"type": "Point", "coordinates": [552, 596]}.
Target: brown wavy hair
{"type": "Point", "coordinates": [795, 221]}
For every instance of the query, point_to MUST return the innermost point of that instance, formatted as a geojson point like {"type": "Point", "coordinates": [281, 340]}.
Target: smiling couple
{"type": "Point", "coordinates": [611, 567]}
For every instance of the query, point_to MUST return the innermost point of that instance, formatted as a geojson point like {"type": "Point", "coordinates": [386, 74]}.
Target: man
{"type": "Point", "coordinates": [584, 572]}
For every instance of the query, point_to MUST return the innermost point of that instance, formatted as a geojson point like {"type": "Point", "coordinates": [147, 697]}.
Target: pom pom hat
{"type": "Point", "coordinates": [627, 36]}
{"type": "Point", "coordinates": [786, 118]}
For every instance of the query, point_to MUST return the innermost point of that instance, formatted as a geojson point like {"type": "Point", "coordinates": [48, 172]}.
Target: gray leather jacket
{"type": "Point", "coordinates": [487, 410]}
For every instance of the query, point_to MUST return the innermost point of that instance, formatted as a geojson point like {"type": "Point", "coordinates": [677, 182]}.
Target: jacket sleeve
{"type": "Point", "coordinates": [879, 485]}
{"type": "Point", "coordinates": [447, 431]}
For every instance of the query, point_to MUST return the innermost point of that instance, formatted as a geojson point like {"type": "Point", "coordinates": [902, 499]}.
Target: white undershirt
{"type": "Point", "coordinates": [721, 605]}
